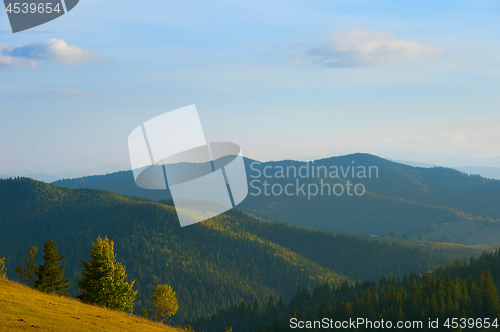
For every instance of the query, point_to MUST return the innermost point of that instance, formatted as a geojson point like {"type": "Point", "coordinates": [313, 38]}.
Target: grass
{"type": "Point", "coordinates": [452, 249]}
{"type": "Point", "coordinates": [25, 309]}
{"type": "Point", "coordinates": [457, 239]}
{"type": "Point", "coordinates": [465, 232]}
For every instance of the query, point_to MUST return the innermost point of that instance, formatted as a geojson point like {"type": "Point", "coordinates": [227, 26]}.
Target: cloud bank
{"type": "Point", "coordinates": [360, 48]}
{"type": "Point", "coordinates": [56, 50]}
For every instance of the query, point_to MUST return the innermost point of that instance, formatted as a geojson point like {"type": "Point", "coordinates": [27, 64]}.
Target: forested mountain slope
{"type": "Point", "coordinates": [210, 265]}
{"type": "Point", "coordinates": [460, 293]}
{"type": "Point", "coordinates": [121, 183]}
{"type": "Point", "coordinates": [488, 261]}
{"type": "Point", "coordinates": [400, 198]}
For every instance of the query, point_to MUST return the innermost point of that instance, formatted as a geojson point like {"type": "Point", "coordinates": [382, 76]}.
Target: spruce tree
{"type": "Point", "coordinates": [50, 277]}
{"type": "Point", "coordinates": [28, 274]}
{"type": "Point", "coordinates": [491, 304]}
{"type": "Point", "coordinates": [255, 307]}
{"type": "Point", "coordinates": [103, 279]}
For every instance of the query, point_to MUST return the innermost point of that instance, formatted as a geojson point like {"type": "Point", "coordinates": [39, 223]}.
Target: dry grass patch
{"type": "Point", "coordinates": [25, 309]}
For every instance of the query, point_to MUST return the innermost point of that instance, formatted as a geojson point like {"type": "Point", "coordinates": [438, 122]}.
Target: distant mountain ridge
{"type": "Point", "coordinates": [486, 172]}
{"type": "Point", "coordinates": [402, 198]}
{"type": "Point", "coordinates": [121, 183]}
{"type": "Point", "coordinates": [71, 174]}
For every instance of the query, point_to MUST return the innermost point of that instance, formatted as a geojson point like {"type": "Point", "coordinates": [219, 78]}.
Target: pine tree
{"type": "Point", "coordinates": [400, 316]}
{"type": "Point", "coordinates": [491, 305]}
{"type": "Point", "coordinates": [368, 304]}
{"type": "Point", "coordinates": [144, 313]}
{"type": "Point", "coordinates": [255, 307]}
{"type": "Point", "coordinates": [3, 269]}
{"type": "Point", "coordinates": [28, 274]}
{"type": "Point", "coordinates": [50, 277]}
{"type": "Point", "coordinates": [103, 279]}
{"type": "Point", "coordinates": [296, 314]}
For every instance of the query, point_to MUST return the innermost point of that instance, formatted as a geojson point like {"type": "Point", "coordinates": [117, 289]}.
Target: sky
{"type": "Point", "coordinates": [407, 80]}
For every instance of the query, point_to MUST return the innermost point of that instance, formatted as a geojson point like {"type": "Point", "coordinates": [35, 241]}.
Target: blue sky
{"type": "Point", "coordinates": [287, 79]}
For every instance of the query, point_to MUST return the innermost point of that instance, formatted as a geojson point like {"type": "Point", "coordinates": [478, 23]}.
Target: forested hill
{"type": "Point", "coordinates": [488, 261]}
{"type": "Point", "coordinates": [405, 199]}
{"type": "Point", "coordinates": [121, 183]}
{"type": "Point", "coordinates": [399, 198]}
{"type": "Point", "coordinates": [210, 265]}
{"type": "Point", "coordinates": [437, 186]}
{"type": "Point", "coordinates": [464, 292]}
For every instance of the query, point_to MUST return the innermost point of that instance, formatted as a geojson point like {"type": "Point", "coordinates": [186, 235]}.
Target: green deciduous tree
{"type": "Point", "coordinates": [28, 274]}
{"type": "Point", "coordinates": [103, 279]}
{"type": "Point", "coordinates": [50, 277]}
{"type": "Point", "coordinates": [3, 269]}
{"type": "Point", "coordinates": [165, 302]}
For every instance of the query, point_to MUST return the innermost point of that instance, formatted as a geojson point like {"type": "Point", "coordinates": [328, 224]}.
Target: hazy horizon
{"type": "Point", "coordinates": [467, 165]}
{"type": "Point", "coordinates": [282, 80]}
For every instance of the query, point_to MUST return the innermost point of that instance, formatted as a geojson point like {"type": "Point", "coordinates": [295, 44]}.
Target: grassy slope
{"type": "Point", "coordinates": [451, 249]}
{"type": "Point", "coordinates": [465, 232]}
{"type": "Point", "coordinates": [24, 309]}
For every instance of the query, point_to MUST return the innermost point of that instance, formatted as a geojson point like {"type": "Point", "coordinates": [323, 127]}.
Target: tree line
{"type": "Point", "coordinates": [450, 292]}
{"type": "Point", "coordinates": [103, 282]}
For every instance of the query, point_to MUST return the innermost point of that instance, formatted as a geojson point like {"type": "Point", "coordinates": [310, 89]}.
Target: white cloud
{"type": "Point", "coordinates": [357, 48]}
{"type": "Point", "coordinates": [298, 61]}
{"type": "Point", "coordinates": [56, 50]}
{"type": "Point", "coordinates": [15, 63]}
{"type": "Point", "coordinates": [74, 92]}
